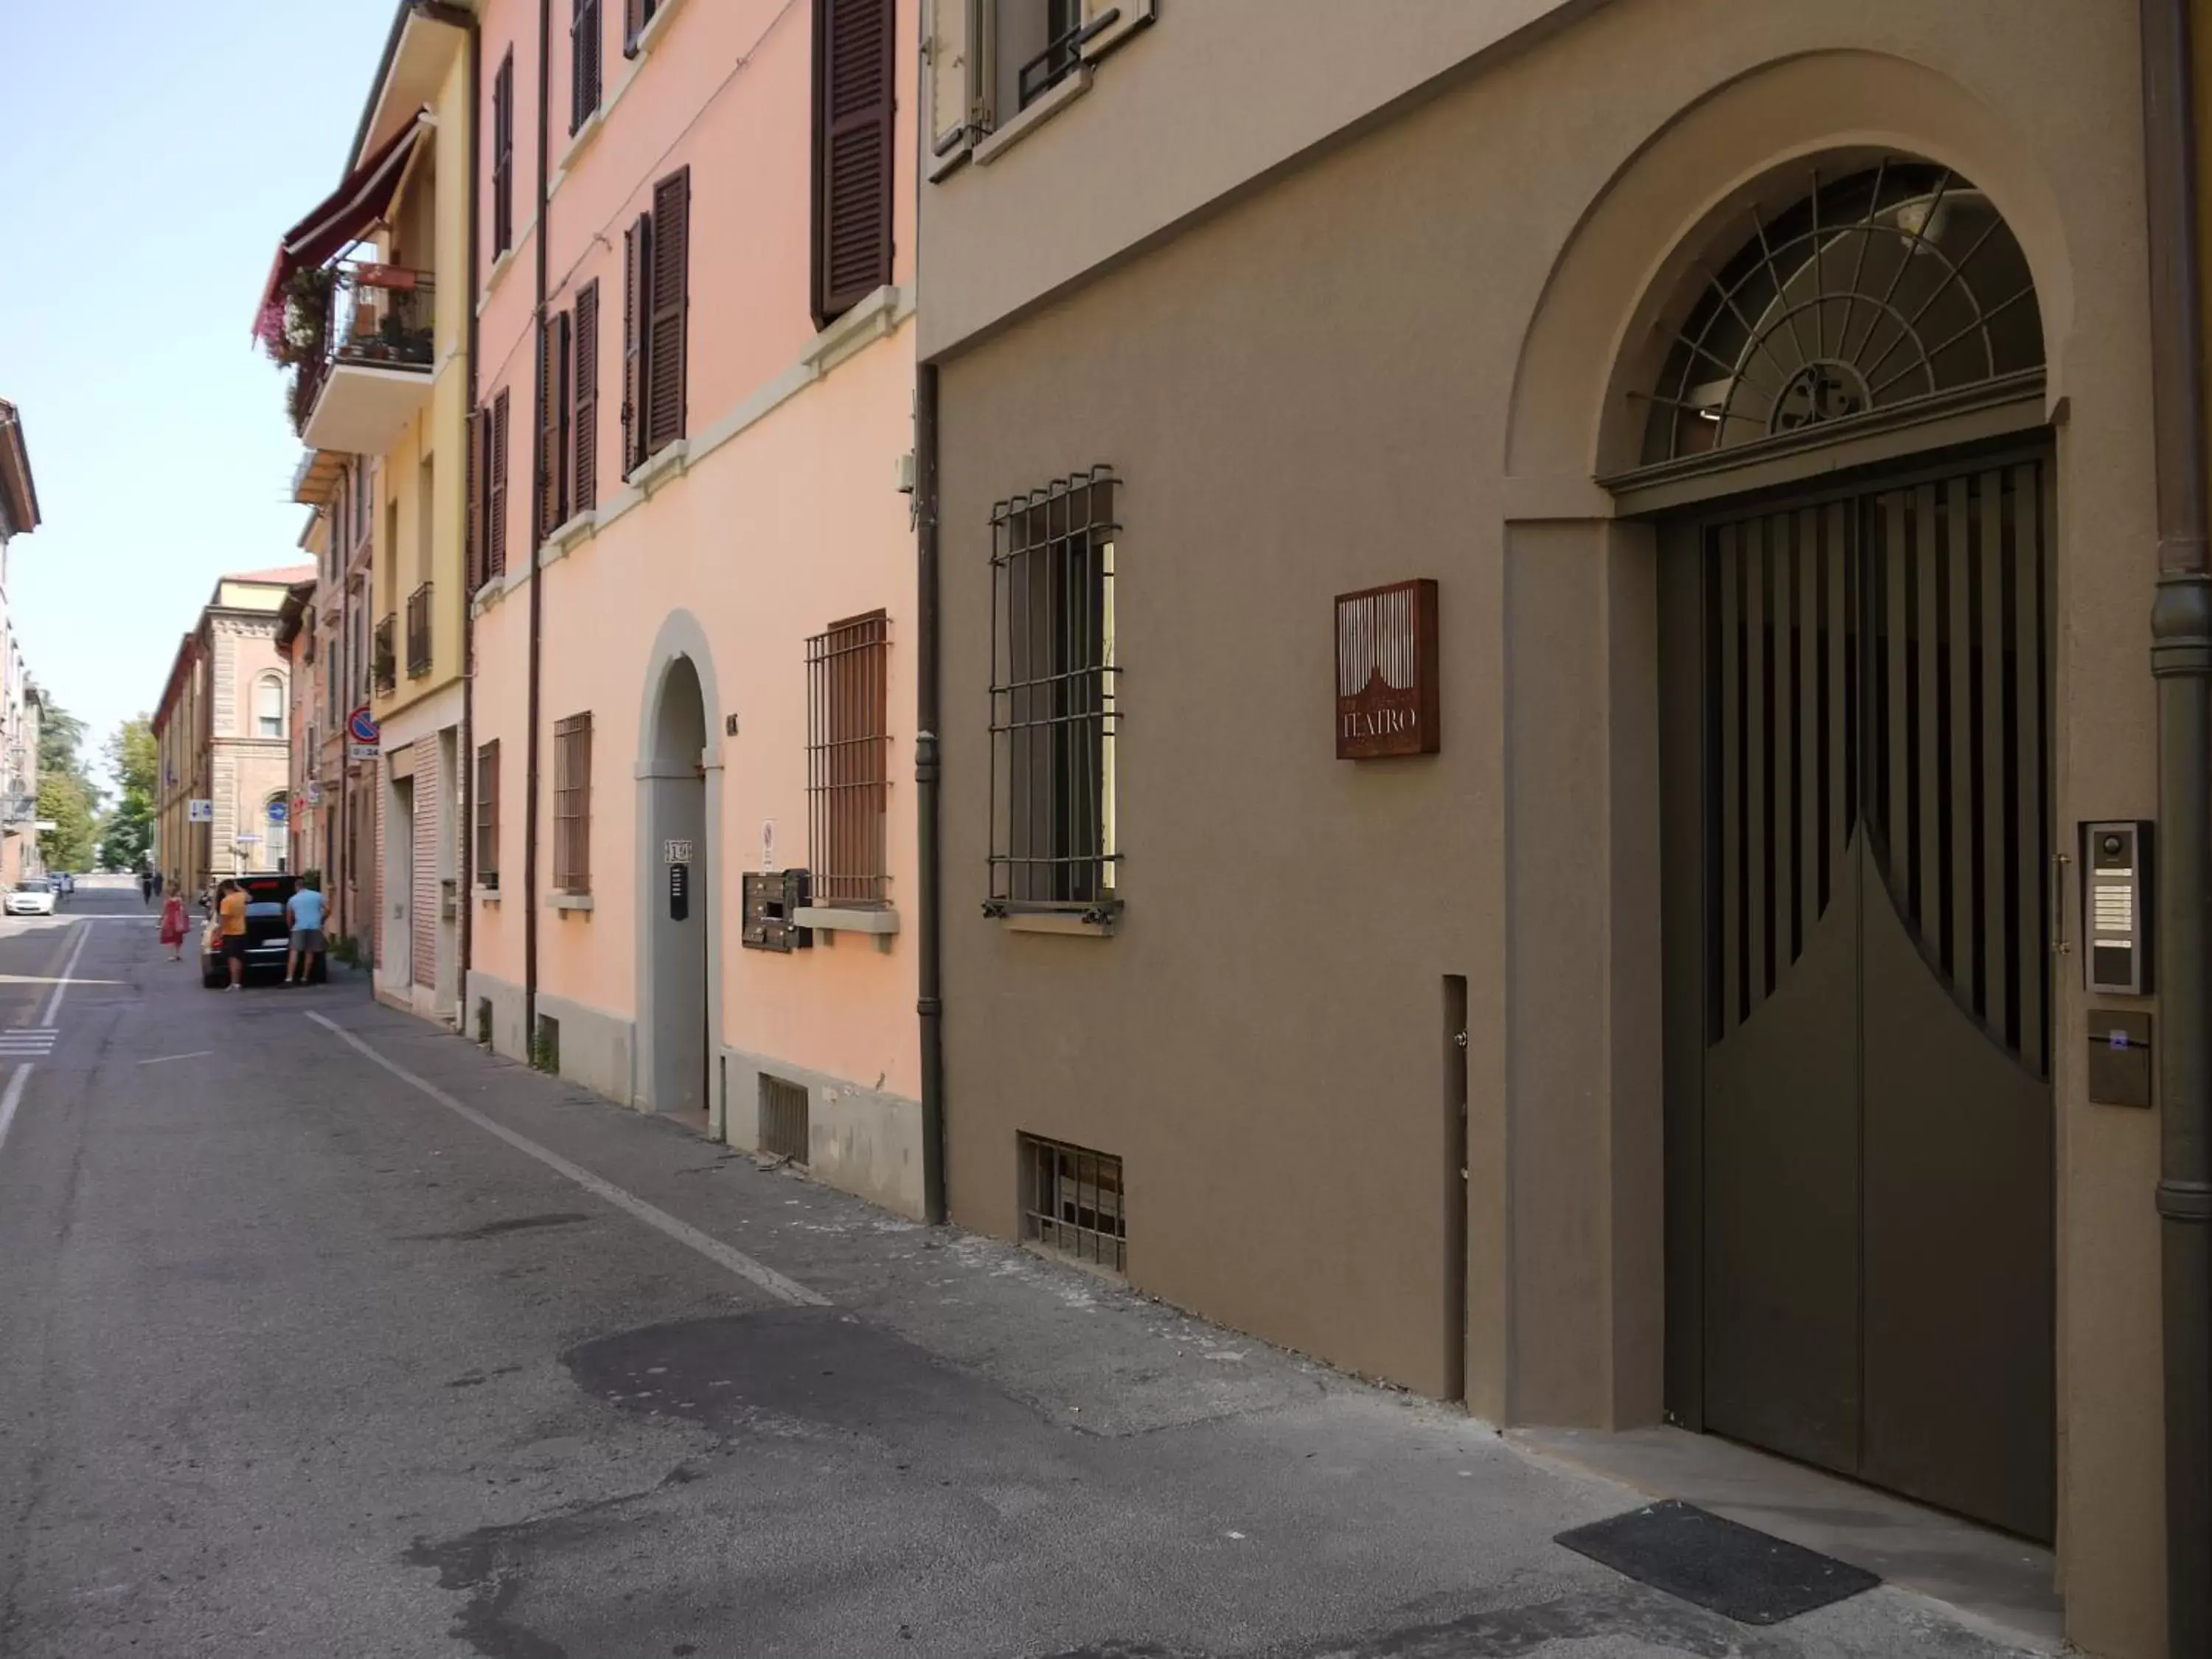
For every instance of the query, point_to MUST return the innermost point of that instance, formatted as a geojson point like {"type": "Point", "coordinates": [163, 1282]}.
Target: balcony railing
{"type": "Point", "coordinates": [418, 632]}
{"type": "Point", "coordinates": [382, 664]}
{"type": "Point", "coordinates": [381, 317]}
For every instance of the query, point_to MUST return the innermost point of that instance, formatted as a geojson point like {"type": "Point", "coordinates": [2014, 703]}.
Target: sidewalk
{"type": "Point", "coordinates": [967, 1450]}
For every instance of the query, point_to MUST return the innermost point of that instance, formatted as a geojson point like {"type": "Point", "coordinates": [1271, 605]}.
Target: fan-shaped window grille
{"type": "Point", "coordinates": [1892, 284]}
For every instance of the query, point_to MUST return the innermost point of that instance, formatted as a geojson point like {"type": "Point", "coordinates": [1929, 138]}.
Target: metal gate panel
{"type": "Point", "coordinates": [1870, 1134]}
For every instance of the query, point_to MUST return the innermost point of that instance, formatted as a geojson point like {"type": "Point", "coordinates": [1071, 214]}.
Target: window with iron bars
{"type": "Point", "coordinates": [1070, 1201]}
{"type": "Point", "coordinates": [848, 761]}
{"type": "Point", "coordinates": [1053, 699]}
{"type": "Point", "coordinates": [572, 804]}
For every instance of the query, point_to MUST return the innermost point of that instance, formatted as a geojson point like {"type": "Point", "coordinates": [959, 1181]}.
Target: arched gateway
{"type": "Point", "coordinates": [1855, 619]}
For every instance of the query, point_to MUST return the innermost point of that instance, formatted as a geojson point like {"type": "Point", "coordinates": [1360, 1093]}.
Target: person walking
{"type": "Point", "coordinates": [157, 883]}
{"type": "Point", "coordinates": [174, 927]}
{"type": "Point", "coordinates": [230, 912]}
{"type": "Point", "coordinates": [303, 914]}
{"type": "Point", "coordinates": [146, 888]}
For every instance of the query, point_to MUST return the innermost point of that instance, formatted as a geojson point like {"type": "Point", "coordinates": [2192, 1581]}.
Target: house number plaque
{"type": "Point", "coordinates": [1385, 671]}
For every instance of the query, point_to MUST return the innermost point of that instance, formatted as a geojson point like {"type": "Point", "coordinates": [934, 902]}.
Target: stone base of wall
{"type": "Point", "coordinates": [504, 1002]}
{"type": "Point", "coordinates": [864, 1141]}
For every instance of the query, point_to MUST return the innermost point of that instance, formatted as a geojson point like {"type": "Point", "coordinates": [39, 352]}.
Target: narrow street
{"type": "Point", "coordinates": [327, 1335]}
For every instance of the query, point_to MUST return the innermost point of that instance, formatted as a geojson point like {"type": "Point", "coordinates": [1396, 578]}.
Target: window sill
{"type": "Point", "coordinates": [571, 902]}
{"type": "Point", "coordinates": [1076, 924]}
{"type": "Point", "coordinates": [567, 538]}
{"type": "Point", "coordinates": [485, 894]}
{"type": "Point", "coordinates": [655, 26]}
{"type": "Point", "coordinates": [990, 148]}
{"type": "Point", "coordinates": [493, 277]}
{"type": "Point", "coordinates": [669, 461]}
{"type": "Point", "coordinates": [874, 319]}
{"type": "Point", "coordinates": [579, 142]}
{"type": "Point", "coordinates": [834, 919]}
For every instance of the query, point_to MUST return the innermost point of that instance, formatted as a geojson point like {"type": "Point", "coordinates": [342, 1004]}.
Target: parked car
{"type": "Point", "coordinates": [33, 896]}
{"type": "Point", "coordinates": [268, 934]}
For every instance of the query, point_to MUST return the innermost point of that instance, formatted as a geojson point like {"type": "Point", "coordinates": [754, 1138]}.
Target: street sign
{"type": "Point", "coordinates": [45, 826]}
{"type": "Point", "coordinates": [245, 840]}
{"type": "Point", "coordinates": [277, 811]}
{"type": "Point", "coordinates": [362, 734]}
{"type": "Point", "coordinates": [199, 811]}
{"type": "Point", "coordinates": [314, 793]}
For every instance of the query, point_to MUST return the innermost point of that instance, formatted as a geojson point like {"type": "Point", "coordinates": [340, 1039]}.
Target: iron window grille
{"type": "Point", "coordinates": [487, 815]}
{"type": "Point", "coordinates": [572, 804]}
{"type": "Point", "coordinates": [783, 1118]}
{"type": "Point", "coordinates": [418, 632]}
{"type": "Point", "coordinates": [1072, 1203]}
{"type": "Point", "coordinates": [1889, 285]}
{"type": "Point", "coordinates": [1053, 717]}
{"type": "Point", "coordinates": [1066, 29]}
{"type": "Point", "coordinates": [848, 761]}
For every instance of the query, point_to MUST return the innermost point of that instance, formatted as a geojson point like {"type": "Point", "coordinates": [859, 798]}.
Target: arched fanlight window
{"type": "Point", "coordinates": [1898, 282]}
{"type": "Point", "coordinates": [269, 708]}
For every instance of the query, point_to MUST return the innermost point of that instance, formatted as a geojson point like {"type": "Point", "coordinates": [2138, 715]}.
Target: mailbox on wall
{"type": "Point", "coordinates": [772, 900]}
{"type": "Point", "coordinates": [1385, 671]}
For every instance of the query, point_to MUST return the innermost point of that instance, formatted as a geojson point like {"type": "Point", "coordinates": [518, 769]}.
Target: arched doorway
{"type": "Point", "coordinates": [675, 981]}
{"type": "Point", "coordinates": [1855, 620]}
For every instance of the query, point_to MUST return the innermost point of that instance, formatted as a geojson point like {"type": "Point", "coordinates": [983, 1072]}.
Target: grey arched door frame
{"type": "Point", "coordinates": [682, 638]}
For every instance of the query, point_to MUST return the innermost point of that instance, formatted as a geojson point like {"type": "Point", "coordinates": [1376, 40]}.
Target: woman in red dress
{"type": "Point", "coordinates": [173, 925]}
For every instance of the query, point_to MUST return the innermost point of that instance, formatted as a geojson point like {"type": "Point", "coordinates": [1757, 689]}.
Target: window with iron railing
{"type": "Point", "coordinates": [848, 761]}
{"type": "Point", "coordinates": [384, 665]}
{"type": "Point", "coordinates": [418, 632]}
{"type": "Point", "coordinates": [1053, 699]}
{"type": "Point", "coordinates": [572, 804]}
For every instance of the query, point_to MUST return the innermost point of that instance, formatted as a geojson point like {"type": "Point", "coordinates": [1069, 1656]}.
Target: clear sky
{"type": "Point", "coordinates": [150, 155]}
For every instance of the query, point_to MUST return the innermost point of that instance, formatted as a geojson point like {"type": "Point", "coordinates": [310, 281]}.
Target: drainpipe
{"type": "Point", "coordinates": [468, 778]}
{"type": "Point", "coordinates": [930, 1005]}
{"type": "Point", "coordinates": [536, 585]}
{"type": "Point", "coordinates": [2181, 662]}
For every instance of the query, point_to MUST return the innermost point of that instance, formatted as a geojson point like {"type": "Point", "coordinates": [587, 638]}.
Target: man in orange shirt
{"type": "Point", "coordinates": [230, 911]}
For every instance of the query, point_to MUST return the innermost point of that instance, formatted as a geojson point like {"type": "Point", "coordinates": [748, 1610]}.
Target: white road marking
{"type": "Point", "coordinates": [163, 1060]}
{"type": "Point", "coordinates": [54, 1002]}
{"type": "Point", "coordinates": [759, 1273]}
{"type": "Point", "coordinates": [11, 1099]}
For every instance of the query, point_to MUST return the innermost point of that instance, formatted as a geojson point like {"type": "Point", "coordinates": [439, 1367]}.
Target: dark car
{"type": "Point", "coordinates": [268, 934]}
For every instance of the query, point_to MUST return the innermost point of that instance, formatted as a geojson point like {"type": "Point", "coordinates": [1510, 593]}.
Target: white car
{"type": "Point", "coordinates": [34, 896]}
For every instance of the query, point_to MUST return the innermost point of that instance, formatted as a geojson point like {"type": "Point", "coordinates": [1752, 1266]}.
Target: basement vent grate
{"type": "Point", "coordinates": [783, 1118]}
{"type": "Point", "coordinates": [1071, 1202]}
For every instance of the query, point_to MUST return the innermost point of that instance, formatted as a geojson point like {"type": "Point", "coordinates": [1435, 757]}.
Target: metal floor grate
{"type": "Point", "coordinates": [1072, 1203]}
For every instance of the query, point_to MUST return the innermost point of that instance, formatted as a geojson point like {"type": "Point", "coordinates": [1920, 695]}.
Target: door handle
{"type": "Point", "coordinates": [2060, 945]}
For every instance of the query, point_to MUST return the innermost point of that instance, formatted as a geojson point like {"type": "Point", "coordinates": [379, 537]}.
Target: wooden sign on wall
{"type": "Point", "coordinates": [1386, 670]}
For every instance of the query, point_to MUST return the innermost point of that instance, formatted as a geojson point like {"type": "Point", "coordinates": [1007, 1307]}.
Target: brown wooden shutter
{"type": "Point", "coordinates": [671, 267]}
{"type": "Point", "coordinates": [584, 407]}
{"type": "Point", "coordinates": [502, 156]}
{"type": "Point", "coordinates": [637, 250]}
{"type": "Point", "coordinates": [473, 533]}
{"type": "Point", "coordinates": [584, 38]}
{"type": "Point", "coordinates": [496, 489]}
{"type": "Point", "coordinates": [549, 427]}
{"type": "Point", "coordinates": [854, 99]}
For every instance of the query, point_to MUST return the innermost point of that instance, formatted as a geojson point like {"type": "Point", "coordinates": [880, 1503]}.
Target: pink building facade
{"type": "Point", "coordinates": [693, 862]}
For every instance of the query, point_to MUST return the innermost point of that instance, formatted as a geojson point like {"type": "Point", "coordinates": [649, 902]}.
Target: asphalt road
{"type": "Point", "coordinates": [322, 1333]}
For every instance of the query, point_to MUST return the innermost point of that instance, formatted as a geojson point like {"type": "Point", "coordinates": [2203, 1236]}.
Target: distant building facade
{"type": "Point", "coordinates": [223, 732]}
{"type": "Point", "coordinates": [19, 706]}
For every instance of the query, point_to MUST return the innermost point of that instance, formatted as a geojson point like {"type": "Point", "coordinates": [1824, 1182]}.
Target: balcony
{"type": "Point", "coordinates": [368, 372]}
{"type": "Point", "coordinates": [418, 632]}
{"type": "Point", "coordinates": [383, 666]}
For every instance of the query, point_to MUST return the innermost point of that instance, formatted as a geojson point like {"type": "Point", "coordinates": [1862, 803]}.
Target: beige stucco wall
{"type": "Point", "coordinates": [1402, 358]}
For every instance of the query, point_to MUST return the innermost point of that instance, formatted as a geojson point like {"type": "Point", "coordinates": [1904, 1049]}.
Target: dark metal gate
{"type": "Point", "coordinates": [1861, 1226]}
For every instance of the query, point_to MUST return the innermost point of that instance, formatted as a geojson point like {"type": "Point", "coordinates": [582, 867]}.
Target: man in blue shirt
{"type": "Point", "coordinates": [303, 914]}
